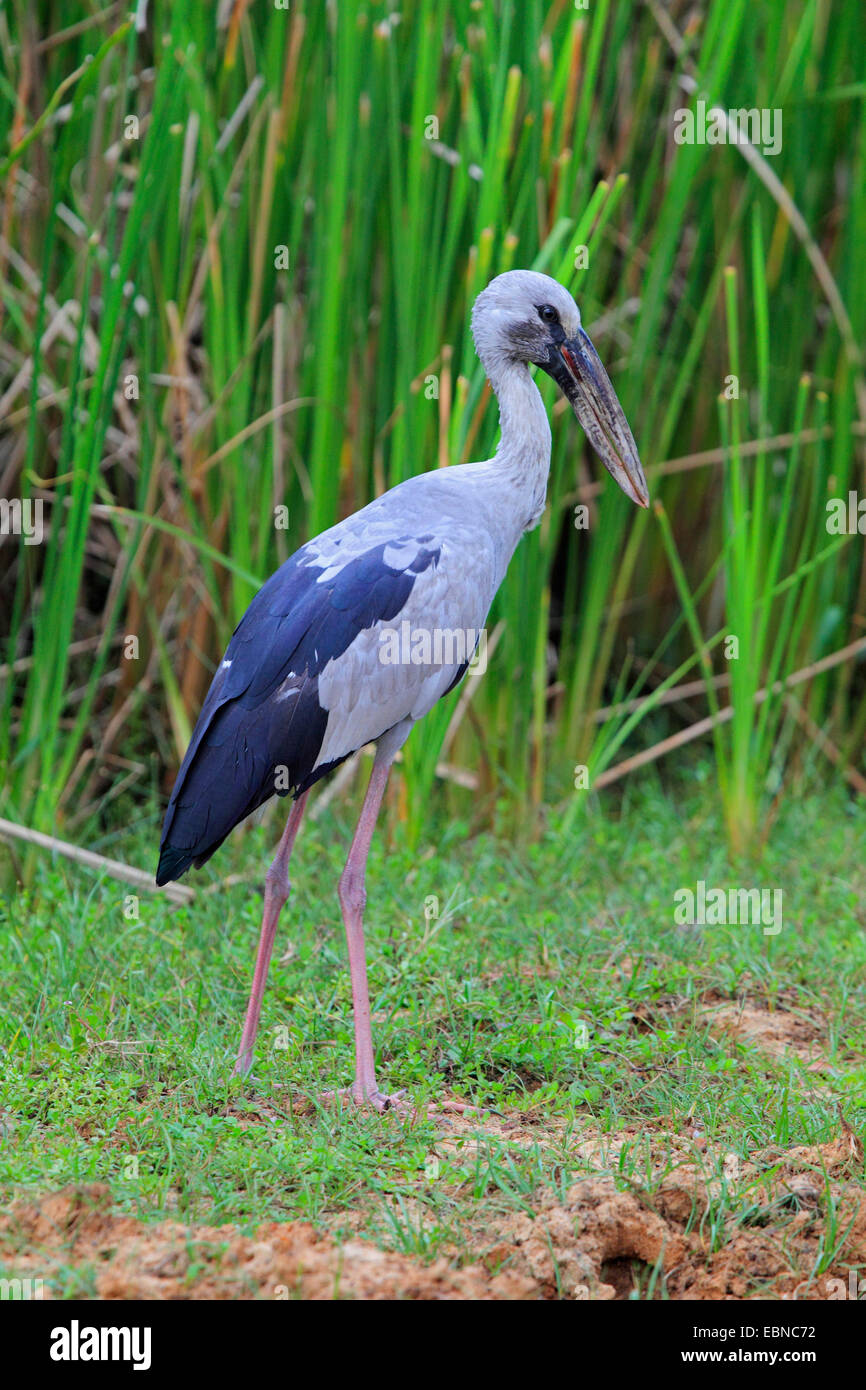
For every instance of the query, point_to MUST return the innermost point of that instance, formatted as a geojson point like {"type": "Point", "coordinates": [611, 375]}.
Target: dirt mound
{"type": "Point", "coordinates": [685, 1238]}
{"type": "Point", "coordinates": [777, 1032]}
{"type": "Point", "coordinates": [131, 1259]}
{"type": "Point", "coordinates": [703, 1225]}
{"type": "Point", "coordinates": [584, 1248]}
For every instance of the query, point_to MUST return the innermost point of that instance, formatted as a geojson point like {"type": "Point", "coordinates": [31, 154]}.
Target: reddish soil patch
{"type": "Point", "coordinates": [776, 1032]}
{"type": "Point", "coordinates": [604, 1243]}
{"type": "Point", "coordinates": [131, 1259]}
{"type": "Point", "coordinates": [600, 1242]}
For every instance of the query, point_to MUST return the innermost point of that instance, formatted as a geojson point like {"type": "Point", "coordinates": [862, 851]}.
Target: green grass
{"type": "Point", "coordinates": [169, 379]}
{"type": "Point", "coordinates": [119, 1034]}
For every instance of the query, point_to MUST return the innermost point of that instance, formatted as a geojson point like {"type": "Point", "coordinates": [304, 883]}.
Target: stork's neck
{"type": "Point", "coordinates": [522, 459]}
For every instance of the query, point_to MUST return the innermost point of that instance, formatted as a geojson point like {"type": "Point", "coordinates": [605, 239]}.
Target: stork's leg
{"type": "Point", "coordinates": [353, 896]}
{"type": "Point", "coordinates": [276, 892]}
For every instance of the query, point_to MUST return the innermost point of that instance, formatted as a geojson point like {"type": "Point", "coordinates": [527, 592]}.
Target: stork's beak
{"type": "Point", "coordinates": [576, 367]}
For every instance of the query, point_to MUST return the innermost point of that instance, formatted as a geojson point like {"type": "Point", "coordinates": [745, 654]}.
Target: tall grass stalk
{"type": "Point", "coordinates": [259, 300]}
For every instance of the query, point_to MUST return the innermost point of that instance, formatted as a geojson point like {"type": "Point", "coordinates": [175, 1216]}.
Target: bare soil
{"type": "Point", "coordinates": [700, 1224]}
{"type": "Point", "coordinates": [601, 1242]}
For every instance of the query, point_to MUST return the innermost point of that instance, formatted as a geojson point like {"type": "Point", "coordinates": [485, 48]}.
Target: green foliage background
{"type": "Point", "coordinates": [165, 384]}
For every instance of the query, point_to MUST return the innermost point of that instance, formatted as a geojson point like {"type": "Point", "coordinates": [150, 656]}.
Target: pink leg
{"type": "Point", "coordinates": [353, 897]}
{"type": "Point", "coordinates": [276, 892]}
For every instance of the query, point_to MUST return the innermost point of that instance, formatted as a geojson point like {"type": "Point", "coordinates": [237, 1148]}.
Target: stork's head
{"type": "Point", "coordinates": [523, 316]}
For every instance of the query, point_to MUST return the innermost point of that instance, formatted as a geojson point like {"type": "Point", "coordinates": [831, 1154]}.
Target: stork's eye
{"type": "Point", "coordinates": [548, 313]}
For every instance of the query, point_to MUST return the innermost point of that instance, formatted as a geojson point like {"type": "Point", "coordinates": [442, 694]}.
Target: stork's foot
{"type": "Point", "coordinates": [454, 1107]}
{"type": "Point", "coordinates": [397, 1103]}
{"type": "Point", "coordinates": [377, 1100]}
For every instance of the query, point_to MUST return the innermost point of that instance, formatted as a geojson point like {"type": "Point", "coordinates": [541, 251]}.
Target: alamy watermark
{"type": "Point", "coordinates": [717, 907]}
{"type": "Point", "coordinates": [434, 646]}
{"type": "Point", "coordinates": [855, 1289]}
{"type": "Point", "coordinates": [21, 1290]}
{"type": "Point", "coordinates": [77, 1343]}
{"type": "Point", "coordinates": [22, 517]}
{"type": "Point", "coordinates": [846, 517]}
{"type": "Point", "coordinates": [711, 125]}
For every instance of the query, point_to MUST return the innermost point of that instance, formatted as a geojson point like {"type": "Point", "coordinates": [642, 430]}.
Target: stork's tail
{"type": "Point", "coordinates": [173, 863]}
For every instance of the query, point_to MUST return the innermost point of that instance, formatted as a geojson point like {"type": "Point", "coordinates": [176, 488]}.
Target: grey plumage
{"type": "Point", "coordinates": [305, 680]}
{"type": "Point", "coordinates": [303, 683]}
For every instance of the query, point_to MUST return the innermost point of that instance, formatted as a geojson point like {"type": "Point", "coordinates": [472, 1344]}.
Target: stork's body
{"type": "Point", "coordinates": [308, 678]}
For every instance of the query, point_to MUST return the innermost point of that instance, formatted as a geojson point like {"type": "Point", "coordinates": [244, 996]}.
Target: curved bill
{"type": "Point", "coordinates": [577, 369]}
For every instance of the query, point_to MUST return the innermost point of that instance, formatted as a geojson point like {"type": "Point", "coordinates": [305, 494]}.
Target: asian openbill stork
{"type": "Point", "coordinates": [304, 681]}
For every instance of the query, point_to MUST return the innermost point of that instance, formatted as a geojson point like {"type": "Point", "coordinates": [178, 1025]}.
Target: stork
{"type": "Point", "coordinates": [308, 676]}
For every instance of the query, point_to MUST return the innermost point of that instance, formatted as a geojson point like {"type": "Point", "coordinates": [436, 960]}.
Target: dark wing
{"type": "Point", "coordinates": [261, 726]}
